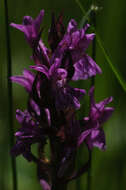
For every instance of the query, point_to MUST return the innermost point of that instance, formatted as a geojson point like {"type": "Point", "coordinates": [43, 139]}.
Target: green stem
{"type": "Point", "coordinates": [59, 186]}
{"type": "Point", "coordinates": [93, 18]}
{"type": "Point", "coordinates": [89, 178]}
{"type": "Point", "coordinates": [93, 21]}
{"type": "Point", "coordinates": [78, 180]}
{"type": "Point", "coordinates": [10, 103]}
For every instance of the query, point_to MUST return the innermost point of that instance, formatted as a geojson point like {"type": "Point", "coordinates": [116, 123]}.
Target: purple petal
{"type": "Point", "coordinates": [41, 68]}
{"type": "Point", "coordinates": [28, 31]}
{"type": "Point", "coordinates": [68, 98]}
{"type": "Point", "coordinates": [103, 103]}
{"type": "Point", "coordinates": [85, 68]}
{"type": "Point", "coordinates": [80, 40]}
{"type": "Point", "coordinates": [98, 111]}
{"type": "Point", "coordinates": [44, 50]}
{"type": "Point", "coordinates": [61, 74]}
{"type": "Point", "coordinates": [48, 116]}
{"type": "Point", "coordinates": [88, 38]}
{"type": "Point", "coordinates": [98, 139]}
{"type": "Point", "coordinates": [58, 75]}
{"type": "Point", "coordinates": [75, 39]}
{"type": "Point", "coordinates": [44, 184]}
{"type": "Point", "coordinates": [91, 94]}
{"type": "Point", "coordinates": [54, 67]}
{"type": "Point", "coordinates": [78, 93]}
{"type": "Point", "coordinates": [29, 75]}
{"type": "Point", "coordinates": [26, 80]}
{"type": "Point", "coordinates": [93, 138]}
{"type": "Point", "coordinates": [30, 28]}
{"type": "Point", "coordinates": [94, 133]}
{"type": "Point", "coordinates": [37, 22]}
{"type": "Point", "coordinates": [72, 26]}
{"type": "Point", "coordinates": [106, 114]}
{"type": "Point", "coordinates": [64, 44]}
{"type": "Point", "coordinates": [18, 26]}
{"type": "Point", "coordinates": [22, 81]}
{"type": "Point", "coordinates": [17, 149]}
{"type": "Point", "coordinates": [83, 136]}
{"type": "Point", "coordinates": [34, 107]}
{"type": "Point", "coordinates": [20, 116]}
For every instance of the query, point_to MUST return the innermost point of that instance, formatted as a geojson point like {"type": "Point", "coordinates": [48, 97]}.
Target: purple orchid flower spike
{"type": "Point", "coordinates": [25, 80]}
{"type": "Point", "coordinates": [52, 102]}
{"type": "Point", "coordinates": [93, 133]}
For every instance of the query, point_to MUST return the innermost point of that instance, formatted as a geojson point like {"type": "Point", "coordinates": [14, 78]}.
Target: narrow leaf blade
{"type": "Point", "coordinates": [117, 74]}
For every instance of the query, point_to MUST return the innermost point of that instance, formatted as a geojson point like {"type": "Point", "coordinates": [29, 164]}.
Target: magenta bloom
{"type": "Point", "coordinates": [32, 32]}
{"type": "Point", "coordinates": [25, 80]}
{"type": "Point", "coordinates": [76, 41]}
{"type": "Point", "coordinates": [31, 28]}
{"type": "Point", "coordinates": [52, 101]}
{"type": "Point", "coordinates": [30, 133]}
{"type": "Point", "coordinates": [93, 133]}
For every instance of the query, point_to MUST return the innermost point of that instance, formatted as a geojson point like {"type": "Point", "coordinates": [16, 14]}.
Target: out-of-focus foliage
{"type": "Point", "coordinates": [108, 168]}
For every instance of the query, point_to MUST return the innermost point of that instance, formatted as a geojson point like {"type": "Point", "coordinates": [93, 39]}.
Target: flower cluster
{"type": "Point", "coordinates": [52, 103]}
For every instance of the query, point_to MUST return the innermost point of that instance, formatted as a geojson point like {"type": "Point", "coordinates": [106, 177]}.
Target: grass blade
{"type": "Point", "coordinates": [85, 18]}
{"type": "Point", "coordinates": [117, 74]}
{"type": "Point", "coordinates": [10, 99]}
{"type": "Point", "coordinates": [113, 68]}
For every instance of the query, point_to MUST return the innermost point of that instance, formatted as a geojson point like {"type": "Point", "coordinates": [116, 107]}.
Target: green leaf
{"type": "Point", "coordinates": [85, 18]}
{"type": "Point", "coordinates": [114, 69]}
{"type": "Point", "coordinates": [117, 74]}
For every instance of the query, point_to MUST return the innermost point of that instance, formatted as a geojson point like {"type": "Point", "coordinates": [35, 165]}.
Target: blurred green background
{"type": "Point", "coordinates": [109, 167]}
